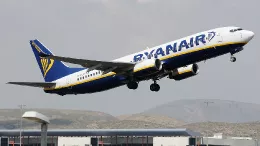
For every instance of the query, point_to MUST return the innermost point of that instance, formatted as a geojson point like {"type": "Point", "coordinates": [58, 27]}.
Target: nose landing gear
{"type": "Point", "coordinates": [234, 51]}
{"type": "Point", "coordinates": [233, 59]}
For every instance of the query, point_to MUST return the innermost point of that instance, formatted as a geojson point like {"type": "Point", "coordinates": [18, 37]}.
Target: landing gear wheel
{"type": "Point", "coordinates": [233, 59]}
{"type": "Point", "coordinates": [132, 85]}
{"type": "Point", "coordinates": [154, 87]}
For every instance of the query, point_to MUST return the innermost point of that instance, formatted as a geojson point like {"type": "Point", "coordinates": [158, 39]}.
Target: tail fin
{"type": "Point", "coordinates": [51, 69]}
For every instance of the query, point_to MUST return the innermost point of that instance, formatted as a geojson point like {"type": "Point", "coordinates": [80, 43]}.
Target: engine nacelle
{"type": "Point", "coordinates": [147, 67]}
{"type": "Point", "coordinates": [184, 72]}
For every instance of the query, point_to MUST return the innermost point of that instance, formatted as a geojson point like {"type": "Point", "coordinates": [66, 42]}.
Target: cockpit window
{"type": "Point", "coordinates": [238, 29]}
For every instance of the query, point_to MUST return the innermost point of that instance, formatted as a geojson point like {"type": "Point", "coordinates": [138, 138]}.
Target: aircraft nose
{"type": "Point", "coordinates": [249, 35]}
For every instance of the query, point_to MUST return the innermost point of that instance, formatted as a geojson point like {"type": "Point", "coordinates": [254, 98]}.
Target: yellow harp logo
{"type": "Point", "coordinates": [45, 62]}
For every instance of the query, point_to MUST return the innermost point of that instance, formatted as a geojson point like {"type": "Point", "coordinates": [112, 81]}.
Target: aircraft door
{"type": "Point", "coordinates": [219, 38]}
{"type": "Point", "coordinates": [68, 81]}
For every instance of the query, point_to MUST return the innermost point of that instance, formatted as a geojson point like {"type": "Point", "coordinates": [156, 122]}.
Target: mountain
{"type": "Point", "coordinates": [197, 110]}
{"type": "Point", "coordinates": [10, 118]}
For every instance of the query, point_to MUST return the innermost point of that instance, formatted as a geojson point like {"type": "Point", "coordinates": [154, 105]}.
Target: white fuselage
{"type": "Point", "coordinates": [185, 46]}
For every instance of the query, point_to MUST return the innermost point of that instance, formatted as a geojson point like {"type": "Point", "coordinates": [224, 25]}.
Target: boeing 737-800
{"type": "Point", "coordinates": [175, 60]}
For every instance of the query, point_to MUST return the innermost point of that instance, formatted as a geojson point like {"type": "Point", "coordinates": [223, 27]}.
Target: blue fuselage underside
{"type": "Point", "coordinates": [174, 62]}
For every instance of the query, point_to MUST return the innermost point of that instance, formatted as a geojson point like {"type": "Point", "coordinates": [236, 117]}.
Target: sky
{"type": "Point", "coordinates": [110, 29]}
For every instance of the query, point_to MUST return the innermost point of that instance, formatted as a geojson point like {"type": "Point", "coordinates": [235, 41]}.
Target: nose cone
{"type": "Point", "coordinates": [248, 35]}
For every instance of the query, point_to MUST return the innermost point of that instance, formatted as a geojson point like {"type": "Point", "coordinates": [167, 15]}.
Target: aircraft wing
{"type": "Point", "coordinates": [34, 84]}
{"type": "Point", "coordinates": [105, 66]}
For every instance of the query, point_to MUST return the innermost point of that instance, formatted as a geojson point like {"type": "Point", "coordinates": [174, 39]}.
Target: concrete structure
{"type": "Point", "coordinates": [220, 139]}
{"type": "Point", "coordinates": [39, 118]}
{"type": "Point", "coordinates": [74, 141]}
{"type": "Point", "coordinates": [232, 142]}
{"type": "Point", "coordinates": [221, 136]}
{"type": "Point", "coordinates": [174, 141]}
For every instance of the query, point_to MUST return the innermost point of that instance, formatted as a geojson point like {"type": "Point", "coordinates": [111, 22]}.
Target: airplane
{"type": "Point", "coordinates": [175, 60]}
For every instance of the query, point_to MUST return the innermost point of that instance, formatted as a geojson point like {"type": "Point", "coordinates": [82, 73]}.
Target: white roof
{"type": "Point", "coordinates": [36, 117]}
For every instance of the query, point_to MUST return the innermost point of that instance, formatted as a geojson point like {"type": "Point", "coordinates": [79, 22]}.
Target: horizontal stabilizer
{"type": "Point", "coordinates": [34, 84]}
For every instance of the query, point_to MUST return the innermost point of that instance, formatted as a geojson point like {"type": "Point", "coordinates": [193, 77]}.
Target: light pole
{"type": "Point", "coordinates": [256, 137]}
{"type": "Point", "coordinates": [21, 122]}
{"type": "Point", "coordinates": [207, 102]}
{"type": "Point", "coordinates": [43, 120]}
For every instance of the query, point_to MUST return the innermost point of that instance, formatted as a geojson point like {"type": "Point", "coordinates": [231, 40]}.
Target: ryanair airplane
{"type": "Point", "coordinates": [175, 60]}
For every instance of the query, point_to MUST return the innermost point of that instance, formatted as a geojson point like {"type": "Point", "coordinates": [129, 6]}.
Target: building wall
{"type": "Point", "coordinates": [60, 141]}
{"type": "Point", "coordinates": [129, 140]}
{"type": "Point", "coordinates": [231, 142]}
{"type": "Point", "coordinates": [170, 141]}
{"type": "Point", "coordinates": [33, 140]}
{"type": "Point", "coordinates": [74, 141]}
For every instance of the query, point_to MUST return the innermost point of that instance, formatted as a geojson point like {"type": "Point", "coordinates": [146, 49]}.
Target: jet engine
{"type": "Point", "coordinates": [147, 67]}
{"type": "Point", "coordinates": [184, 72]}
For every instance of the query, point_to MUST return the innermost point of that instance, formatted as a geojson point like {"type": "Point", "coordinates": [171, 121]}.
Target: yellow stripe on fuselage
{"type": "Point", "coordinates": [162, 58]}
{"type": "Point", "coordinates": [93, 78]}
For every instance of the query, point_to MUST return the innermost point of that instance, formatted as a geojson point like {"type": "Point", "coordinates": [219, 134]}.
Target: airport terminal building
{"type": "Point", "coordinates": [102, 137]}
{"type": "Point", "coordinates": [120, 137]}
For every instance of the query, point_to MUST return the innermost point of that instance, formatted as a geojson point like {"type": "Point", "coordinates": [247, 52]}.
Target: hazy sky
{"type": "Point", "coordinates": [109, 29]}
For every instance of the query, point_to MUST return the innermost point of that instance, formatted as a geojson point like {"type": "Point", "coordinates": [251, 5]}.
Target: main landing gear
{"type": "Point", "coordinates": [132, 85]}
{"type": "Point", "coordinates": [155, 87]}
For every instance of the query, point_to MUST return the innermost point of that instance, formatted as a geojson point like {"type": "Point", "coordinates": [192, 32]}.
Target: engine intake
{"type": "Point", "coordinates": [184, 72]}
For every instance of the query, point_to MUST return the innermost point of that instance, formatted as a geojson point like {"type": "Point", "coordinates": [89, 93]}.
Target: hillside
{"type": "Point", "coordinates": [178, 114]}
{"type": "Point", "coordinates": [10, 118]}
{"type": "Point", "coordinates": [156, 119]}
{"type": "Point", "coordinates": [192, 111]}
